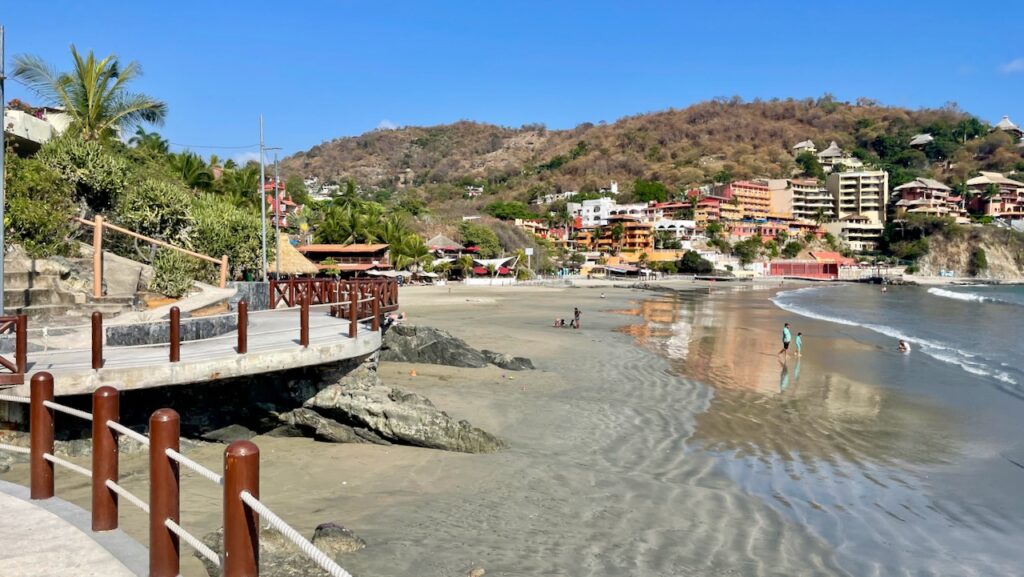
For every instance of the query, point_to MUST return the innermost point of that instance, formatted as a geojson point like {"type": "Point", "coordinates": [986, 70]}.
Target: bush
{"type": "Point", "coordinates": [174, 272]}
{"type": "Point", "coordinates": [692, 262]}
{"type": "Point", "coordinates": [157, 209]}
{"type": "Point", "coordinates": [480, 236]}
{"type": "Point", "coordinates": [39, 209]}
{"type": "Point", "coordinates": [97, 175]}
{"type": "Point", "coordinates": [979, 261]}
{"type": "Point", "coordinates": [509, 210]}
{"type": "Point", "coordinates": [792, 249]}
{"type": "Point", "coordinates": [221, 228]}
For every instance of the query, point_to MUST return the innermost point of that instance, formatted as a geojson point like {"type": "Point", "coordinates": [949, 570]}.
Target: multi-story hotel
{"type": "Point", "coordinates": [809, 200]}
{"type": "Point", "coordinates": [864, 193]}
{"type": "Point", "coordinates": [753, 198]}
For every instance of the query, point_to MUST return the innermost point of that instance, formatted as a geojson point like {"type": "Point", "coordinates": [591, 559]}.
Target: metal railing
{"type": "Point", "coordinates": [240, 477]}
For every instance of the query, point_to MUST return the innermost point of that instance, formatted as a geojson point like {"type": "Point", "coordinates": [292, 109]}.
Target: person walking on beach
{"type": "Point", "coordinates": [576, 316]}
{"type": "Point", "coordinates": [799, 342]}
{"type": "Point", "coordinates": [787, 337]}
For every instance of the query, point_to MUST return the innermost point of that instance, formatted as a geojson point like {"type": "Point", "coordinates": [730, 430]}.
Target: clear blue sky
{"type": "Point", "coordinates": [319, 70]}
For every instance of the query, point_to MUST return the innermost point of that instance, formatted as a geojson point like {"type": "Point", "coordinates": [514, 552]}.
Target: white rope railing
{"type": "Point", "coordinates": [190, 464]}
{"type": "Point", "coordinates": [14, 399]}
{"type": "Point", "coordinates": [67, 464]}
{"type": "Point", "coordinates": [131, 498]}
{"type": "Point", "coordinates": [15, 449]}
{"type": "Point", "coordinates": [134, 435]}
{"type": "Point", "coordinates": [311, 550]}
{"type": "Point", "coordinates": [195, 543]}
{"type": "Point", "coordinates": [68, 410]}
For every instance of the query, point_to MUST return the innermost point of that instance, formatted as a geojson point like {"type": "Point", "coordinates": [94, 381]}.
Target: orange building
{"type": "Point", "coordinates": [754, 198]}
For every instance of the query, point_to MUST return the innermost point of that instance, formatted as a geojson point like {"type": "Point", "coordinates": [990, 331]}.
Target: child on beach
{"type": "Point", "coordinates": [799, 343]}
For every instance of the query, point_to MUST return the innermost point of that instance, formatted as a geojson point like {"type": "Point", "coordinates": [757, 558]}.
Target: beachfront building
{"type": "Point", "coordinates": [681, 231]}
{"type": "Point", "coordinates": [861, 233]}
{"type": "Point", "coordinates": [864, 193]}
{"type": "Point", "coordinates": [752, 197]}
{"type": "Point", "coordinates": [995, 195]}
{"type": "Point", "coordinates": [624, 233]}
{"type": "Point", "coordinates": [348, 259]}
{"type": "Point", "coordinates": [834, 156]}
{"type": "Point", "coordinates": [810, 200]}
{"type": "Point", "coordinates": [929, 197]}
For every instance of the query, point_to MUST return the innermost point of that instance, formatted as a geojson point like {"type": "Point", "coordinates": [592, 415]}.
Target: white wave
{"type": "Point", "coordinates": [967, 296]}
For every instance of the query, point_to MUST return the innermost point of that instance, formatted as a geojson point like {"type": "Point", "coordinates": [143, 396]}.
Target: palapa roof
{"type": "Point", "coordinates": [803, 145]}
{"type": "Point", "coordinates": [443, 242]}
{"type": "Point", "coordinates": [342, 248]}
{"type": "Point", "coordinates": [1007, 124]}
{"type": "Point", "coordinates": [832, 150]}
{"type": "Point", "coordinates": [923, 183]}
{"type": "Point", "coordinates": [292, 261]}
{"type": "Point", "coordinates": [992, 178]}
{"type": "Point", "coordinates": [921, 139]}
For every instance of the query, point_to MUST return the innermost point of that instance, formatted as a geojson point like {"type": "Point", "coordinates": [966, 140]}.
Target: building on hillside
{"type": "Point", "coordinates": [27, 129]}
{"type": "Point", "coordinates": [591, 213]}
{"type": "Point", "coordinates": [810, 200]}
{"type": "Point", "coordinates": [835, 156]}
{"type": "Point", "coordinates": [684, 231]}
{"type": "Point", "coordinates": [930, 197]}
{"type": "Point", "coordinates": [473, 191]}
{"type": "Point", "coordinates": [553, 197]}
{"type": "Point", "coordinates": [348, 259]}
{"type": "Point", "coordinates": [613, 188]}
{"type": "Point", "coordinates": [534, 226]}
{"type": "Point", "coordinates": [863, 193]}
{"type": "Point", "coordinates": [805, 146]}
{"type": "Point", "coordinates": [1006, 125]}
{"type": "Point", "coordinates": [753, 198]}
{"type": "Point", "coordinates": [636, 235]}
{"type": "Point", "coordinates": [280, 205]}
{"type": "Point", "coordinates": [675, 209]}
{"type": "Point", "coordinates": [744, 229]}
{"type": "Point", "coordinates": [921, 139]}
{"type": "Point", "coordinates": [995, 195]}
{"type": "Point", "coordinates": [707, 209]}
{"type": "Point", "coordinates": [861, 233]}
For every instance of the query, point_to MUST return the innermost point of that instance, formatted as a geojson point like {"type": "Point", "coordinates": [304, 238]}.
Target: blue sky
{"type": "Point", "coordinates": [319, 70]}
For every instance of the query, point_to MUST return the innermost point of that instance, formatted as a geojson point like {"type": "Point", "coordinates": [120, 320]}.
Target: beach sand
{"type": "Point", "coordinates": [663, 438]}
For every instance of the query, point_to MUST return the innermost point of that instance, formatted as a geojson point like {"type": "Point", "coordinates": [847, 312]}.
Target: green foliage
{"type": "Point", "coordinates": [158, 209]}
{"type": "Point", "coordinates": [978, 262]}
{"type": "Point", "coordinates": [831, 241]}
{"type": "Point", "coordinates": [221, 228]}
{"type": "Point", "coordinates": [97, 175]}
{"type": "Point", "coordinates": [480, 236]}
{"type": "Point", "coordinates": [713, 230]}
{"type": "Point", "coordinates": [747, 250]}
{"type": "Point", "coordinates": [296, 188]}
{"type": "Point", "coordinates": [509, 210]}
{"type": "Point", "coordinates": [792, 248]}
{"type": "Point", "coordinates": [909, 249]}
{"type": "Point", "coordinates": [649, 190]}
{"type": "Point", "coordinates": [39, 208]}
{"type": "Point", "coordinates": [174, 272]}
{"type": "Point", "coordinates": [809, 165]}
{"type": "Point", "coordinates": [192, 170]}
{"type": "Point", "coordinates": [693, 263]}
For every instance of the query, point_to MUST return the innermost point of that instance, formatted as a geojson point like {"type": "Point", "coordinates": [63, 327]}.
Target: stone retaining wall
{"type": "Point", "coordinates": [257, 294]}
{"type": "Point", "coordinates": [160, 332]}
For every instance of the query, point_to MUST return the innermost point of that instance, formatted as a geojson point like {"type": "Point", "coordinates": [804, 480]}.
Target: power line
{"type": "Point", "coordinates": [213, 146]}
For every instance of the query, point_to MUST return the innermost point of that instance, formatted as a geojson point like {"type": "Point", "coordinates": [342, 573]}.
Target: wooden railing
{"type": "Point", "coordinates": [99, 224]}
{"type": "Point", "coordinates": [13, 372]}
{"type": "Point", "coordinates": [320, 291]}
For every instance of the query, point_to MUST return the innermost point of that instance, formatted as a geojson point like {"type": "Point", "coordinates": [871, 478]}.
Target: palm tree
{"type": "Point", "coordinates": [149, 141]}
{"type": "Point", "coordinates": [242, 186]}
{"type": "Point", "coordinates": [191, 168]}
{"type": "Point", "coordinates": [95, 94]}
{"type": "Point", "coordinates": [465, 265]}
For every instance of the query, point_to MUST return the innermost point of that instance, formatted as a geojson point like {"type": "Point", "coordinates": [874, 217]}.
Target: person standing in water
{"type": "Point", "coordinates": [576, 316]}
{"type": "Point", "coordinates": [787, 337]}
{"type": "Point", "coordinates": [799, 342]}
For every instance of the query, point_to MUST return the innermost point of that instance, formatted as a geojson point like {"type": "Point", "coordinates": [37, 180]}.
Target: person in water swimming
{"type": "Point", "coordinates": [903, 347]}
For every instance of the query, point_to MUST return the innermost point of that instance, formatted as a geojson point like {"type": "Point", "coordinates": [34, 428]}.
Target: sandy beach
{"type": "Point", "coordinates": [662, 438]}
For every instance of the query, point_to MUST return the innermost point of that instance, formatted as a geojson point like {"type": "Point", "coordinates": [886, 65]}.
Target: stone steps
{"type": "Point", "coordinates": [15, 298]}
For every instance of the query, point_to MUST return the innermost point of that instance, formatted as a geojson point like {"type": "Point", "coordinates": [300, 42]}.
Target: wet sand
{"type": "Point", "coordinates": [663, 438]}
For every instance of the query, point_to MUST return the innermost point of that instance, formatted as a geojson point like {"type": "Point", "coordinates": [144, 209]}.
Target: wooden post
{"type": "Point", "coordinates": [304, 320]}
{"type": "Point", "coordinates": [241, 524]}
{"type": "Point", "coordinates": [243, 327]}
{"type": "Point", "coordinates": [223, 271]}
{"type": "Point", "coordinates": [41, 436]}
{"type": "Point", "coordinates": [97, 340]}
{"type": "Point", "coordinates": [97, 257]}
{"type": "Point", "coordinates": [353, 309]}
{"type": "Point", "coordinates": [175, 341]}
{"type": "Point", "coordinates": [21, 344]}
{"type": "Point", "coordinates": [106, 406]}
{"type": "Point", "coordinates": [377, 294]}
{"type": "Point", "coordinates": [164, 549]}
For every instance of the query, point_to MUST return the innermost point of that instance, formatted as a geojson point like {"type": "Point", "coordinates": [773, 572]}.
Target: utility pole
{"type": "Point", "coordinates": [263, 207]}
{"type": "Point", "coordinates": [3, 245]}
{"type": "Point", "coordinates": [277, 216]}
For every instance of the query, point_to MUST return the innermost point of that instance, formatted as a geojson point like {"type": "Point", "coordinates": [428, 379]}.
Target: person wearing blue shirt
{"type": "Point", "coordinates": [787, 337]}
{"type": "Point", "coordinates": [799, 343]}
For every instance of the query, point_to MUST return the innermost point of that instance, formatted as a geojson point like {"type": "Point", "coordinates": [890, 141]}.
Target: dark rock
{"type": "Point", "coordinates": [335, 539]}
{"type": "Point", "coordinates": [401, 417]}
{"type": "Point", "coordinates": [153, 333]}
{"type": "Point", "coordinates": [321, 428]}
{"type": "Point", "coordinates": [229, 434]}
{"type": "Point", "coordinates": [508, 362]}
{"type": "Point", "coordinates": [279, 557]}
{"type": "Point", "coordinates": [420, 344]}
{"type": "Point", "coordinates": [285, 431]}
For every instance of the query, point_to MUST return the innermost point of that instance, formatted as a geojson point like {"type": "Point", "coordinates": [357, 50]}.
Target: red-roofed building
{"type": "Point", "coordinates": [279, 205]}
{"type": "Point", "coordinates": [351, 259]}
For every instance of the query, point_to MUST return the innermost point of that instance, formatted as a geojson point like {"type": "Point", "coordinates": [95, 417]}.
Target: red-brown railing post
{"type": "Point", "coordinates": [353, 309]}
{"type": "Point", "coordinates": [243, 327]}
{"type": "Point", "coordinates": [97, 340]}
{"type": "Point", "coordinates": [164, 549]}
{"type": "Point", "coordinates": [106, 406]}
{"type": "Point", "coordinates": [376, 293]}
{"type": "Point", "coordinates": [175, 334]}
{"type": "Point", "coordinates": [304, 320]}
{"type": "Point", "coordinates": [41, 436]}
{"type": "Point", "coordinates": [241, 524]}
{"type": "Point", "coordinates": [21, 344]}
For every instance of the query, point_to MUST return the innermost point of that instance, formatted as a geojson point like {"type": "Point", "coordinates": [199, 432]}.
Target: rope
{"type": "Point", "coordinates": [15, 449]}
{"type": "Point", "coordinates": [68, 410]}
{"type": "Point", "coordinates": [311, 550]}
{"type": "Point", "coordinates": [190, 464]}
{"type": "Point", "coordinates": [14, 399]}
{"type": "Point", "coordinates": [191, 540]}
{"type": "Point", "coordinates": [128, 496]}
{"type": "Point", "coordinates": [67, 464]}
{"type": "Point", "coordinates": [128, 432]}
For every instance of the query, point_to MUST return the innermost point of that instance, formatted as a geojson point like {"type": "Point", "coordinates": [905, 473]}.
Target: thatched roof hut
{"type": "Point", "coordinates": [292, 261]}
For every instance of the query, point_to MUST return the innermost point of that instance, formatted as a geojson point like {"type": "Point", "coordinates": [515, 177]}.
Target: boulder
{"type": "Point", "coordinates": [335, 539]}
{"type": "Point", "coordinates": [279, 557]}
{"type": "Point", "coordinates": [421, 344]}
{"type": "Point", "coordinates": [401, 417]}
{"type": "Point", "coordinates": [285, 431]}
{"type": "Point", "coordinates": [508, 362]}
{"type": "Point", "coordinates": [321, 428]}
{"type": "Point", "coordinates": [229, 434]}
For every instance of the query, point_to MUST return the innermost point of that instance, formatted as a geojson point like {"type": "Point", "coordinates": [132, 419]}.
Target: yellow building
{"type": "Point", "coordinates": [754, 199]}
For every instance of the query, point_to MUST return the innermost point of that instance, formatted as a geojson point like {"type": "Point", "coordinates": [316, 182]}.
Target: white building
{"type": "Point", "coordinates": [863, 193]}
{"type": "Point", "coordinates": [834, 156]}
{"type": "Point", "coordinates": [554, 196]}
{"type": "Point", "coordinates": [592, 213]}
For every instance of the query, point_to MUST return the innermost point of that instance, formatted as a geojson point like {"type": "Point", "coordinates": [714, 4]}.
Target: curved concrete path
{"type": "Point", "coordinates": [52, 538]}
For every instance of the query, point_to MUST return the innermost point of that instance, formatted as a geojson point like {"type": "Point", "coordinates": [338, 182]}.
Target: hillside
{"type": "Point", "coordinates": [680, 148]}
{"type": "Point", "coordinates": [959, 251]}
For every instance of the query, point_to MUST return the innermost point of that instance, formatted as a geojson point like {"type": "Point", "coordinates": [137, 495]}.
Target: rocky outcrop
{"type": "Point", "coordinates": [315, 425]}
{"type": "Point", "coordinates": [229, 434]}
{"type": "Point", "coordinates": [401, 417]}
{"type": "Point", "coordinates": [279, 557]}
{"type": "Point", "coordinates": [420, 344]}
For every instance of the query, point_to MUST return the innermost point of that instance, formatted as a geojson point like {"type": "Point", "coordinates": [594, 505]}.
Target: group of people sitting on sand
{"type": "Point", "coordinates": [574, 323]}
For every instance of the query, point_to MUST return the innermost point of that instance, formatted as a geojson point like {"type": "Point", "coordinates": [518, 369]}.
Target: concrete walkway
{"type": "Point", "coordinates": [46, 538]}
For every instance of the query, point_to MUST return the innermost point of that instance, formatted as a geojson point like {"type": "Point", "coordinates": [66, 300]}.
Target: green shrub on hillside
{"type": "Point", "coordinates": [39, 209]}
{"type": "Point", "coordinates": [174, 272]}
{"type": "Point", "coordinates": [480, 236]}
{"type": "Point", "coordinates": [509, 210]}
{"type": "Point", "coordinates": [97, 175]}
{"type": "Point", "coordinates": [222, 228]}
{"type": "Point", "coordinates": [979, 261]}
{"type": "Point", "coordinates": [158, 209]}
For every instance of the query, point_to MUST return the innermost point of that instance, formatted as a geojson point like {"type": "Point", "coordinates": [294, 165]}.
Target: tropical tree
{"type": "Point", "coordinates": [465, 265]}
{"type": "Point", "coordinates": [192, 170]}
{"type": "Point", "coordinates": [149, 141]}
{"type": "Point", "coordinates": [95, 94]}
{"type": "Point", "coordinates": [241, 186]}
